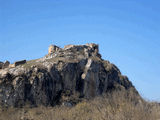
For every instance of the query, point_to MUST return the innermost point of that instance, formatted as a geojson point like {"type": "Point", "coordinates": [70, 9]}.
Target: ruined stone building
{"type": "Point", "coordinates": [52, 49]}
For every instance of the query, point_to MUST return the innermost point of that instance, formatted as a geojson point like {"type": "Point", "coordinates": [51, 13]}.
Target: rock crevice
{"type": "Point", "coordinates": [66, 76]}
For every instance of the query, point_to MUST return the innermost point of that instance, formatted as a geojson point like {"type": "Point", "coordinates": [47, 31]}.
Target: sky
{"type": "Point", "coordinates": [127, 31]}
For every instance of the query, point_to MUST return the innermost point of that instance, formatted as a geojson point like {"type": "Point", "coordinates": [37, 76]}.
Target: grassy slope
{"type": "Point", "coordinates": [115, 106]}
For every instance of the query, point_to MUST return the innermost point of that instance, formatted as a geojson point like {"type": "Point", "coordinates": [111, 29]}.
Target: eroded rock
{"type": "Point", "coordinates": [75, 73]}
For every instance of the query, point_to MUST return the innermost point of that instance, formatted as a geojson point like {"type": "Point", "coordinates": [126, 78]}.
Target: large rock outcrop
{"type": "Point", "coordinates": [65, 77]}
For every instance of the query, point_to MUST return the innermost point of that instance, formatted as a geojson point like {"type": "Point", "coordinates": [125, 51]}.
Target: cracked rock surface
{"type": "Point", "coordinates": [65, 77]}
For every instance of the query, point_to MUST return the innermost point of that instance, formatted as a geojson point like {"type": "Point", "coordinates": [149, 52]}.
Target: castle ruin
{"type": "Point", "coordinates": [52, 49]}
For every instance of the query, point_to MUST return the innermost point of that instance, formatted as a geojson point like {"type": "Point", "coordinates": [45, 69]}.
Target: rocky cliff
{"type": "Point", "coordinates": [65, 76]}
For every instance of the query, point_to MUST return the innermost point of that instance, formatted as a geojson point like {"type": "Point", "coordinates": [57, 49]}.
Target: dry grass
{"type": "Point", "coordinates": [116, 106]}
{"type": "Point", "coordinates": [28, 64]}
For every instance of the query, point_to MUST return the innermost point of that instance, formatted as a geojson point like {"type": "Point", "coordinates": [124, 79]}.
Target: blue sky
{"type": "Point", "coordinates": [127, 31]}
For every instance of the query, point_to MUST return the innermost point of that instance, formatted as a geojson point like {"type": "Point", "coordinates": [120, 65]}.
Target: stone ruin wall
{"type": "Point", "coordinates": [52, 49]}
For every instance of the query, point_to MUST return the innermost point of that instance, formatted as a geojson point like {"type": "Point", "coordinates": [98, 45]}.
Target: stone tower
{"type": "Point", "coordinates": [52, 49]}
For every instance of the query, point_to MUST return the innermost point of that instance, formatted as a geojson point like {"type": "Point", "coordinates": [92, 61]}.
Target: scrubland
{"type": "Point", "coordinates": [114, 106]}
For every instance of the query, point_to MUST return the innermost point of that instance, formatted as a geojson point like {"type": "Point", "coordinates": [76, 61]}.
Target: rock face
{"type": "Point", "coordinates": [65, 77]}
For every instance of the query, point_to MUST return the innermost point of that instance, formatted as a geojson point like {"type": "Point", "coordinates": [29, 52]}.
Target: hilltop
{"type": "Point", "coordinates": [63, 76]}
{"type": "Point", "coordinates": [69, 77]}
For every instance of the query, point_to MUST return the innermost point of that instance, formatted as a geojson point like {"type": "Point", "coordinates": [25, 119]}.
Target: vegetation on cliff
{"type": "Point", "coordinates": [68, 84]}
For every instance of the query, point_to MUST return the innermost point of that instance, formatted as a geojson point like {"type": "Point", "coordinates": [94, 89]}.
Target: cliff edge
{"type": "Point", "coordinates": [64, 76]}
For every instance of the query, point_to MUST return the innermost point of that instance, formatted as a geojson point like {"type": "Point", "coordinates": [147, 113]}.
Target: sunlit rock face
{"type": "Point", "coordinates": [67, 75]}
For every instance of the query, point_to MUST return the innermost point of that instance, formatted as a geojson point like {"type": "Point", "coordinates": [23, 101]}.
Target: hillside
{"type": "Point", "coordinates": [73, 80]}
